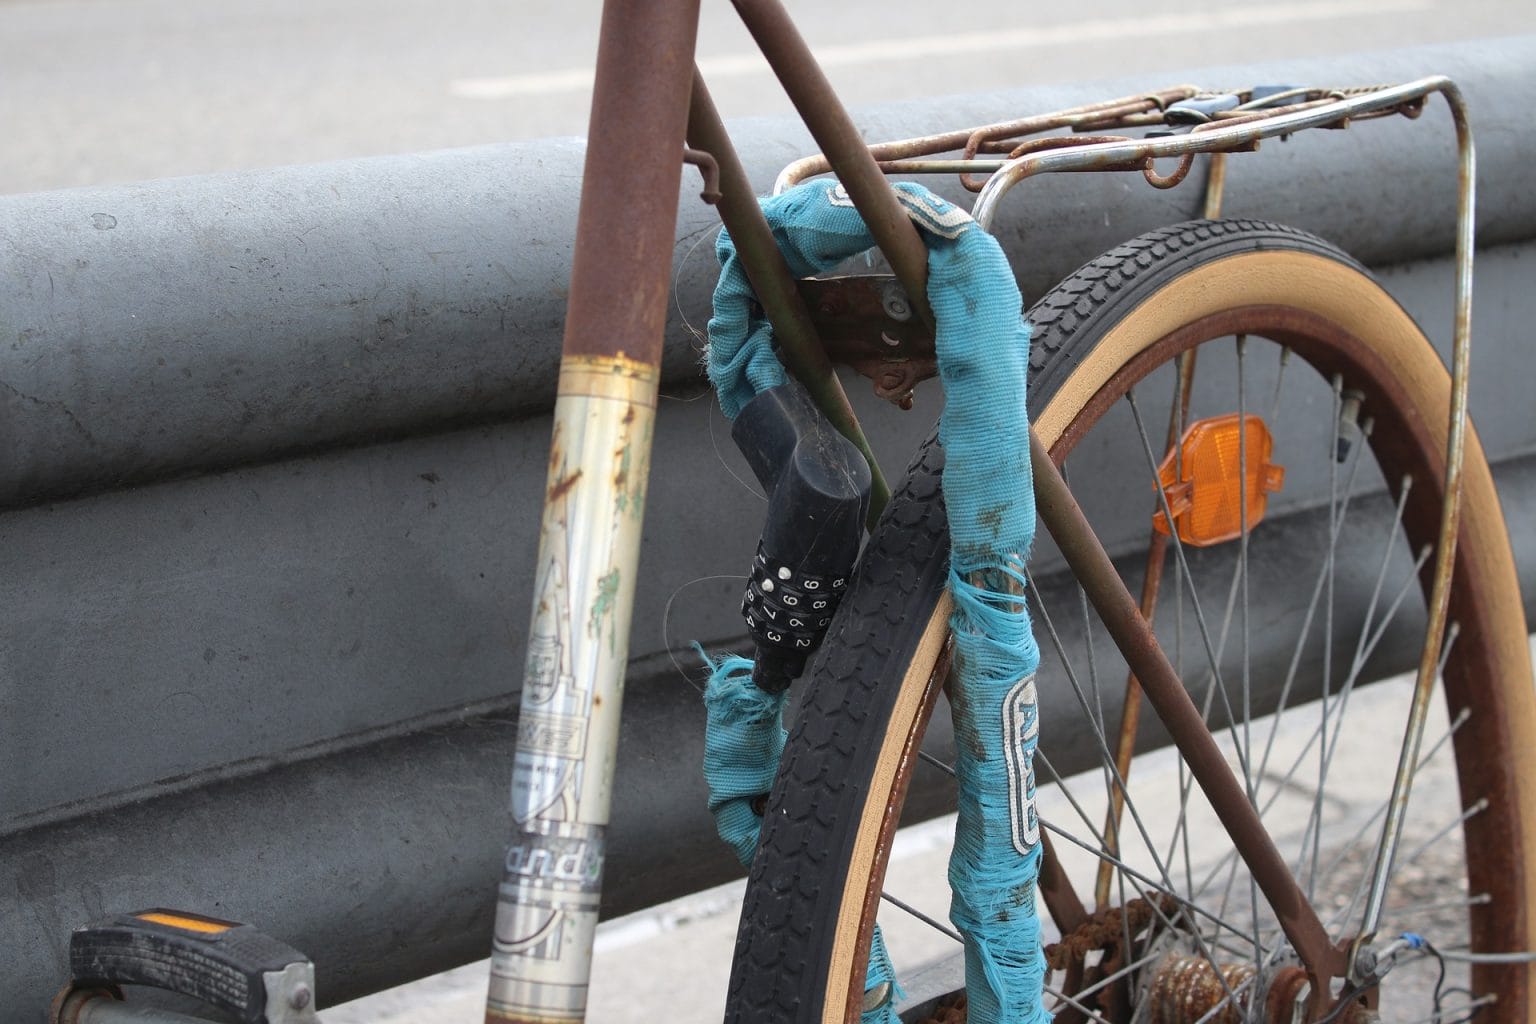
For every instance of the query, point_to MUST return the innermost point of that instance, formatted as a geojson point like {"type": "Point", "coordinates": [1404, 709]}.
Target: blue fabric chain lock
{"type": "Point", "coordinates": [983, 353]}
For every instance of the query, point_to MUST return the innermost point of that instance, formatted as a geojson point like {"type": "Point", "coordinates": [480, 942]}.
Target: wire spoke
{"type": "Point", "coordinates": [1340, 705]}
{"type": "Point", "coordinates": [1099, 851]}
{"type": "Point", "coordinates": [1107, 757]}
{"type": "Point", "coordinates": [1404, 487]}
{"type": "Point", "coordinates": [1245, 675]}
{"type": "Point", "coordinates": [1110, 979]}
{"type": "Point", "coordinates": [1056, 993]}
{"type": "Point", "coordinates": [1194, 597]}
{"type": "Point", "coordinates": [947, 769]}
{"type": "Point", "coordinates": [1226, 1000]}
{"type": "Point", "coordinates": [1478, 807]}
{"type": "Point", "coordinates": [1335, 530]}
{"type": "Point", "coordinates": [1435, 748]}
{"type": "Point", "coordinates": [900, 904]}
{"type": "Point", "coordinates": [1314, 824]}
{"type": "Point", "coordinates": [1274, 402]}
{"type": "Point", "coordinates": [1286, 780]}
{"type": "Point", "coordinates": [1475, 808]}
{"type": "Point", "coordinates": [1347, 911]}
{"type": "Point", "coordinates": [1463, 1012]}
{"type": "Point", "coordinates": [1454, 903]}
{"type": "Point", "coordinates": [1381, 809]}
{"type": "Point", "coordinates": [1185, 905]}
{"type": "Point", "coordinates": [1249, 781]}
{"type": "Point", "coordinates": [1066, 792]}
{"type": "Point", "coordinates": [1369, 646]}
{"type": "Point", "coordinates": [1112, 830]}
{"type": "Point", "coordinates": [1330, 563]}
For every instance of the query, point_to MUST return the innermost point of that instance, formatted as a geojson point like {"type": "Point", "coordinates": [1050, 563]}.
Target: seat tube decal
{"type": "Point", "coordinates": [567, 734]}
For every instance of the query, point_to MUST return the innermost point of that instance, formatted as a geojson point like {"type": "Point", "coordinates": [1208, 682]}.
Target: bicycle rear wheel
{"type": "Point", "coordinates": [1116, 328]}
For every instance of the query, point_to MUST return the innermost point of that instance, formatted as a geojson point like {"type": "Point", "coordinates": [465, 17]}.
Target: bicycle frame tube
{"type": "Point", "coordinates": [589, 539]}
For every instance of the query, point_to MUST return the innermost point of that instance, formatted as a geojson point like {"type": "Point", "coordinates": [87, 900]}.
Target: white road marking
{"type": "Point", "coordinates": [879, 51]}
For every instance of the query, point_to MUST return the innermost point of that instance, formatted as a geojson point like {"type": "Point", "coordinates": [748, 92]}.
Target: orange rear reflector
{"type": "Point", "coordinates": [186, 922]}
{"type": "Point", "coordinates": [1203, 479]}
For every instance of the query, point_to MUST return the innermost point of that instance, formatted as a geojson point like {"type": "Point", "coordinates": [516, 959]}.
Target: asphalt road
{"type": "Point", "coordinates": [104, 91]}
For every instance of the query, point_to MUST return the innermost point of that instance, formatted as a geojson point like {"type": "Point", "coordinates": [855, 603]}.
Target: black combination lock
{"type": "Point", "coordinates": [818, 496]}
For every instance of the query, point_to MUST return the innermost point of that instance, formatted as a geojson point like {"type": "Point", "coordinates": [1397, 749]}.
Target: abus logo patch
{"type": "Point", "coordinates": [1021, 730]}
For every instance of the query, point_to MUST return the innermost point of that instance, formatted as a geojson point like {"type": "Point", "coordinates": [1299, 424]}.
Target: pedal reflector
{"type": "Point", "coordinates": [186, 922]}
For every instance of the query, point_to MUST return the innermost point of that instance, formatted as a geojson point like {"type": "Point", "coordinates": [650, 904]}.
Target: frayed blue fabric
{"type": "Point", "coordinates": [995, 862]}
{"type": "Point", "coordinates": [816, 228]}
{"type": "Point", "coordinates": [983, 351]}
{"type": "Point", "coordinates": [983, 354]}
{"type": "Point", "coordinates": [743, 741]}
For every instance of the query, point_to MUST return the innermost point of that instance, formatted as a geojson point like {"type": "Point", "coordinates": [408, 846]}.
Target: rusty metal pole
{"type": "Point", "coordinates": [1450, 520]}
{"type": "Point", "coordinates": [562, 779]}
{"type": "Point", "coordinates": [834, 131]}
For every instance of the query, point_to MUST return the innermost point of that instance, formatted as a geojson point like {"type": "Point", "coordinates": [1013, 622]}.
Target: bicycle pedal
{"type": "Point", "coordinates": [231, 966]}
